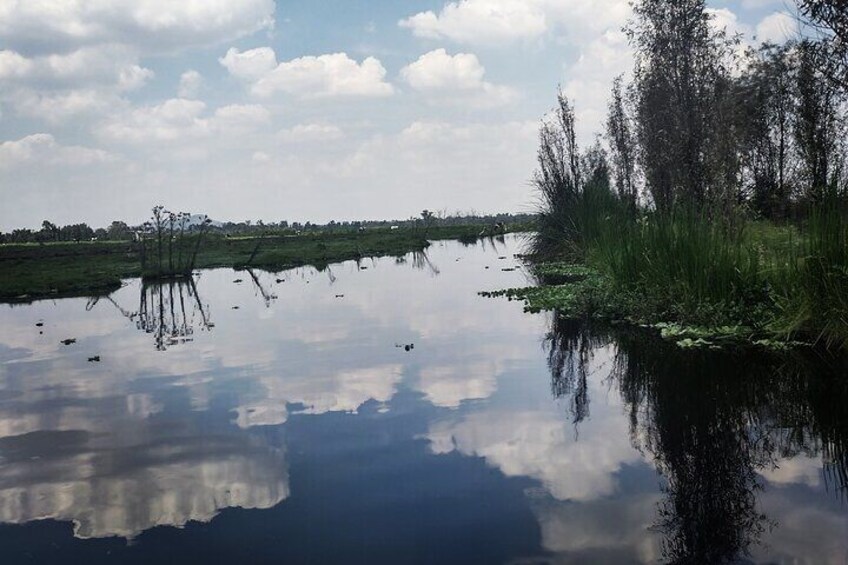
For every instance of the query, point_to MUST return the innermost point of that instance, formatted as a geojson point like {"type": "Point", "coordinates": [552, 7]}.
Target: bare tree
{"type": "Point", "coordinates": [622, 142]}
{"type": "Point", "coordinates": [557, 179]}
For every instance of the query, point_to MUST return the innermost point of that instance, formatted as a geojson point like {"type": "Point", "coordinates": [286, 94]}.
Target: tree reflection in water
{"type": "Point", "coordinates": [570, 345]}
{"type": "Point", "coordinates": [171, 311]}
{"type": "Point", "coordinates": [712, 422]}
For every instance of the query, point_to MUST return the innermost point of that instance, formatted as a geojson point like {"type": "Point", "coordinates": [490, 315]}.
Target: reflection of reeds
{"type": "Point", "coordinates": [421, 261]}
{"type": "Point", "coordinates": [267, 297]}
{"type": "Point", "coordinates": [570, 345]}
{"type": "Point", "coordinates": [170, 311]}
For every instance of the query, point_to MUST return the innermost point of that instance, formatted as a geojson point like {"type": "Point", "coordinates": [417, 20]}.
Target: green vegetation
{"type": "Point", "coordinates": [29, 271]}
{"type": "Point", "coordinates": [718, 215]}
{"type": "Point", "coordinates": [701, 284]}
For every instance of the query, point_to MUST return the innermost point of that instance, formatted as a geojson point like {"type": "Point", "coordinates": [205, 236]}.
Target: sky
{"type": "Point", "coordinates": [282, 110]}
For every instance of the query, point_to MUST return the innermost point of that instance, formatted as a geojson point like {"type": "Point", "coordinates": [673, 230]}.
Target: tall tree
{"type": "Point", "coordinates": [765, 113]}
{"type": "Point", "coordinates": [50, 230]}
{"type": "Point", "coordinates": [830, 18]}
{"type": "Point", "coordinates": [818, 125]}
{"type": "Point", "coordinates": [622, 143]}
{"type": "Point", "coordinates": [679, 67]}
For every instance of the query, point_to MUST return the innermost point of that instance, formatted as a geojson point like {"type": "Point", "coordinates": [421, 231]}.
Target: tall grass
{"type": "Point", "coordinates": [169, 246]}
{"type": "Point", "coordinates": [813, 298]}
{"type": "Point", "coordinates": [693, 267]}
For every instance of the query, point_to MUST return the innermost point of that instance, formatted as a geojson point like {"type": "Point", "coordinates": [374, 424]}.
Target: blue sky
{"type": "Point", "coordinates": [339, 109]}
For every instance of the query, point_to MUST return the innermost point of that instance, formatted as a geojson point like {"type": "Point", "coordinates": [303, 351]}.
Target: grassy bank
{"type": "Point", "coordinates": [32, 271]}
{"type": "Point", "coordinates": [704, 282]}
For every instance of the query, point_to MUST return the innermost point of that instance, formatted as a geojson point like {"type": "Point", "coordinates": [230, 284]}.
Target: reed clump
{"type": "Point", "coordinates": [169, 244]}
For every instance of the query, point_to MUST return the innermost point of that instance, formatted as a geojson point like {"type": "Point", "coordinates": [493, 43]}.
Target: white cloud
{"type": "Point", "coordinates": [797, 470]}
{"type": "Point", "coordinates": [249, 65]}
{"type": "Point", "coordinates": [449, 386]}
{"type": "Point", "coordinates": [56, 87]}
{"type": "Point", "coordinates": [260, 157]}
{"type": "Point", "coordinates": [589, 80]}
{"type": "Point", "coordinates": [43, 149]}
{"type": "Point", "coordinates": [481, 21]}
{"type": "Point", "coordinates": [757, 4]}
{"type": "Point", "coordinates": [540, 445]}
{"type": "Point", "coordinates": [173, 119]}
{"type": "Point", "coordinates": [240, 117]}
{"type": "Point", "coordinates": [498, 22]}
{"type": "Point", "coordinates": [179, 119]}
{"type": "Point", "coordinates": [447, 76]}
{"type": "Point", "coordinates": [622, 526]}
{"type": "Point", "coordinates": [437, 70]}
{"type": "Point", "coordinates": [346, 391]}
{"type": "Point", "coordinates": [107, 65]}
{"type": "Point", "coordinates": [14, 65]}
{"type": "Point", "coordinates": [724, 19]}
{"type": "Point", "coordinates": [478, 162]}
{"type": "Point", "coordinates": [151, 25]}
{"type": "Point", "coordinates": [190, 83]}
{"type": "Point", "coordinates": [54, 50]}
{"type": "Point", "coordinates": [325, 76]}
{"type": "Point", "coordinates": [310, 132]}
{"type": "Point", "coordinates": [55, 107]}
{"type": "Point", "coordinates": [777, 28]}
{"type": "Point", "coordinates": [598, 49]}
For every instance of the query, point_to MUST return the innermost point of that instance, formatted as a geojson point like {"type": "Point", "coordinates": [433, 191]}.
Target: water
{"type": "Point", "coordinates": [264, 421]}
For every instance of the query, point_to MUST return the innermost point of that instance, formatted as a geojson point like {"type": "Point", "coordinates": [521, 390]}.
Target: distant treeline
{"type": "Point", "coordinates": [121, 231]}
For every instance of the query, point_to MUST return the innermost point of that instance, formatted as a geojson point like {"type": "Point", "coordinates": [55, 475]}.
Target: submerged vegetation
{"type": "Point", "coordinates": [717, 214]}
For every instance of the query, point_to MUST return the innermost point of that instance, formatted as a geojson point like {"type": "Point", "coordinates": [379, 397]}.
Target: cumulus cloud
{"type": "Point", "coordinates": [59, 86]}
{"type": "Point", "coordinates": [438, 73]}
{"type": "Point", "coordinates": [190, 83]}
{"type": "Point", "coordinates": [310, 132]}
{"type": "Point", "coordinates": [14, 65]}
{"type": "Point", "coordinates": [493, 22]}
{"type": "Point", "coordinates": [249, 65]}
{"type": "Point", "coordinates": [179, 119]}
{"type": "Point", "coordinates": [54, 107]}
{"type": "Point", "coordinates": [449, 386]}
{"type": "Point", "coordinates": [55, 52]}
{"type": "Point", "coordinates": [323, 76]}
{"type": "Point", "coordinates": [112, 66]}
{"type": "Point", "coordinates": [240, 118]}
{"type": "Point", "coordinates": [346, 391]}
{"type": "Point", "coordinates": [539, 445]}
{"type": "Point", "coordinates": [480, 21]}
{"type": "Point", "coordinates": [43, 149]}
{"type": "Point", "coordinates": [599, 49]}
{"type": "Point", "coordinates": [151, 25]}
{"type": "Point", "coordinates": [797, 470]}
{"type": "Point", "coordinates": [477, 162]}
{"type": "Point", "coordinates": [724, 19]}
{"type": "Point", "coordinates": [777, 28]}
{"type": "Point", "coordinates": [437, 70]}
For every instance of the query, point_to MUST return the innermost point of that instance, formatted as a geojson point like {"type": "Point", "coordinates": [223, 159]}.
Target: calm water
{"type": "Point", "coordinates": [281, 419]}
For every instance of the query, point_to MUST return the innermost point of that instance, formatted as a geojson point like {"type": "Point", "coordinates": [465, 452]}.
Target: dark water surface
{"type": "Point", "coordinates": [264, 421]}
